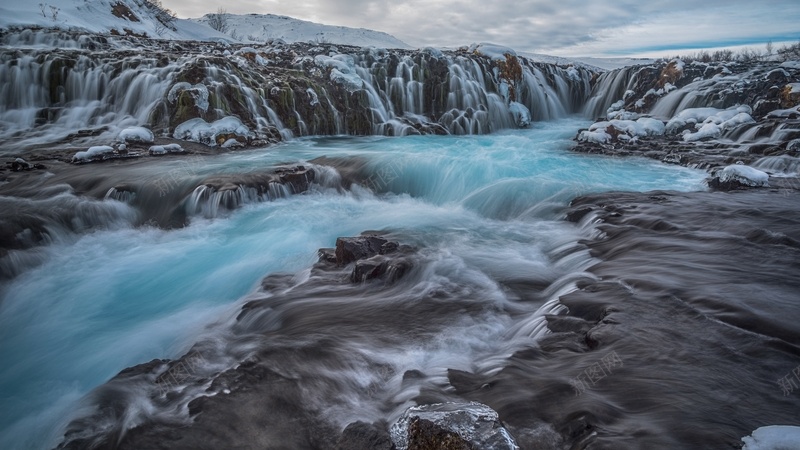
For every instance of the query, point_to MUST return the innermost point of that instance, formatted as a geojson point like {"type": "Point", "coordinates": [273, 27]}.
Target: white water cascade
{"type": "Point", "coordinates": [53, 89]}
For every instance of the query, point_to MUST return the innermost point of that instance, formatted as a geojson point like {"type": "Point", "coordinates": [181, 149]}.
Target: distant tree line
{"type": "Point", "coordinates": [785, 53]}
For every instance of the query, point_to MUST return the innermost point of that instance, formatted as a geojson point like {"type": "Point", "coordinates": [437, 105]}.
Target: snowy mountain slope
{"type": "Point", "coordinates": [600, 64]}
{"type": "Point", "coordinates": [263, 27]}
{"type": "Point", "coordinates": [133, 17]}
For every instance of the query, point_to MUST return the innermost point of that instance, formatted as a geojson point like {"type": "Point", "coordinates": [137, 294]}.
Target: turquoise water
{"type": "Point", "coordinates": [112, 299]}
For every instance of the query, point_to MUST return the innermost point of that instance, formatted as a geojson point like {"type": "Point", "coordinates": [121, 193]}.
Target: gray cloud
{"type": "Point", "coordinates": [565, 26]}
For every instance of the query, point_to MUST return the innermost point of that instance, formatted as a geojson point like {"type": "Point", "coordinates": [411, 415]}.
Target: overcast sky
{"type": "Point", "coordinates": [557, 27]}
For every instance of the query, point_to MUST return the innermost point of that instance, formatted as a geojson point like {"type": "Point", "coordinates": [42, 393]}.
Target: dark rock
{"type": "Point", "coordinates": [365, 436]}
{"type": "Point", "coordinates": [464, 382]}
{"type": "Point", "coordinates": [350, 249]}
{"type": "Point", "coordinates": [378, 266]}
{"type": "Point", "coordinates": [576, 215]}
{"type": "Point", "coordinates": [367, 269]}
{"type": "Point", "coordinates": [426, 435]}
{"type": "Point", "coordinates": [19, 165]}
{"type": "Point", "coordinates": [728, 185]}
{"type": "Point", "coordinates": [761, 236]}
{"type": "Point", "coordinates": [327, 255]}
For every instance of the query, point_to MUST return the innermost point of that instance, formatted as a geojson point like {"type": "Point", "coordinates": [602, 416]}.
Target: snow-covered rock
{"type": "Point", "coordinates": [714, 126]}
{"type": "Point", "coordinates": [601, 132]}
{"type": "Point", "coordinates": [709, 122]}
{"type": "Point", "coordinates": [773, 437]}
{"type": "Point", "coordinates": [700, 116]}
{"type": "Point", "coordinates": [198, 130]}
{"type": "Point", "coordinates": [159, 150]}
{"type": "Point", "coordinates": [92, 153]}
{"type": "Point", "coordinates": [342, 70]}
{"type": "Point", "coordinates": [136, 134]}
{"type": "Point", "coordinates": [787, 113]}
{"type": "Point", "coordinates": [744, 175]}
{"type": "Point", "coordinates": [596, 137]}
{"type": "Point", "coordinates": [477, 425]}
{"type": "Point", "coordinates": [492, 51]}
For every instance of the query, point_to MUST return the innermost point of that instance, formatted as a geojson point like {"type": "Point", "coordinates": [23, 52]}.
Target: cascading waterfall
{"type": "Point", "coordinates": [610, 88]}
{"type": "Point", "coordinates": [55, 93]}
{"type": "Point", "coordinates": [74, 92]}
{"type": "Point", "coordinates": [698, 94]}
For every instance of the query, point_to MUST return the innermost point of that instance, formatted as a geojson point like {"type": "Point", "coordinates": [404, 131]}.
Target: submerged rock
{"type": "Point", "coordinates": [451, 426]}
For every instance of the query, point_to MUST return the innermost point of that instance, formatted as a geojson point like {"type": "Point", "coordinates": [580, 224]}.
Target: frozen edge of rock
{"type": "Point", "coordinates": [474, 424]}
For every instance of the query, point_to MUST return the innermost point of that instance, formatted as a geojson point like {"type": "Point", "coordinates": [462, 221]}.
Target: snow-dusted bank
{"type": "Point", "coordinates": [706, 115]}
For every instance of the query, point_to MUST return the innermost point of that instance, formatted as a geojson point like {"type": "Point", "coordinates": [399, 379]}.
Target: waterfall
{"type": "Point", "coordinates": [48, 95]}
{"type": "Point", "coordinates": [57, 85]}
{"type": "Point", "coordinates": [698, 94]}
{"type": "Point", "coordinates": [610, 88]}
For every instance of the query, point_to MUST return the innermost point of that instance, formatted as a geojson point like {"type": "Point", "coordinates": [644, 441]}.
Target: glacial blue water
{"type": "Point", "coordinates": [111, 299]}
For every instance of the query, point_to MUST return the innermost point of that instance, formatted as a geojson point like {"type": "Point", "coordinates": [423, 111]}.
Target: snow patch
{"type": "Point", "coordinates": [791, 64]}
{"type": "Point", "coordinates": [492, 51]}
{"type": "Point", "coordinates": [136, 134]}
{"type": "Point", "coordinates": [270, 27]}
{"type": "Point", "coordinates": [597, 137]}
{"type": "Point", "coordinates": [158, 150]}
{"type": "Point", "coordinates": [92, 152]}
{"type": "Point", "coordinates": [773, 437]}
{"type": "Point", "coordinates": [784, 113]}
{"type": "Point", "coordinates": [715, 125]}
{"type": "Point", "coordinates": [745, 175]}
{"type": "Point", "coordinates": [198, 130]}
{"type": "Point", "coordinates": [624, 130]}
{"type": "Point", "coordinates": [702, 116]}
{"type": "Point", "coordinates": [343, 70]}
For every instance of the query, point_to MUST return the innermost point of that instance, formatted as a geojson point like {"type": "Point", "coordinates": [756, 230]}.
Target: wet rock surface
{"type": "Point", "coordinates": [260, 402]}
{"type": "Point", "coordinates": [452, 426]}
{"type": "Point", "coordinates": [73, 199]}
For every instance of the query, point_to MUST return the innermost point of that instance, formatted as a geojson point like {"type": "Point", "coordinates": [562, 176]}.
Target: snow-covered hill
{"type": "Point", "coordinates": [263, 27]}
{"type": "Point", "coordinates": [124, 17]}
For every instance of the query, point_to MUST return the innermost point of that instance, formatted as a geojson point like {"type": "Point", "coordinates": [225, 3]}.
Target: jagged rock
{"type": "Point", "coordinates": [351, 249]}
{"type": "Point", "coordinates": [378, 266]}
{"type": "Point", "coordinates": [728, 185]}
{"type": "Point", "coordinates": [20, 165]}
{"type": "Point", "coordinates": [451, 426]}
{"type": "Point", "coordinates": [374, 257]}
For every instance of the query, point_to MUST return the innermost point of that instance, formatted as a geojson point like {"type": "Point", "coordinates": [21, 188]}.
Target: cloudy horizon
{"type": "Point", "coordinates": [568, 28]}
